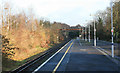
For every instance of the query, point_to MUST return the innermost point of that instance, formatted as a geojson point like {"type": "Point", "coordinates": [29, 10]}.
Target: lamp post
{"type": "Point", "coordinates": [82, 33]}
{"type": "Point", "coordinates": [94, 32]}
{"type": "Point", "coordinates": [89, 33]}
{"type": "Point", "coordinates": [85, 33]}
{"type": "Point", "coordinates": [111, 4]}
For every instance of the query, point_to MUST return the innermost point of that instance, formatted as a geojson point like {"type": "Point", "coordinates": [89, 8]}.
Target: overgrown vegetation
{"type": "Point", "coordinates": [24, 36]}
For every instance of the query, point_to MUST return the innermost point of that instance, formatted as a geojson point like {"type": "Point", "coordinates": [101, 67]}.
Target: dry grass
{"type": "Point", "coordinates": [19, 56]}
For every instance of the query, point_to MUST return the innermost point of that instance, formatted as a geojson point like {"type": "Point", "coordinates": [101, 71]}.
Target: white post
{"type": "Point", "coordinates": [85, 34]}
{"type": "Point", "coordinates": [82, 33]}
{"type": "Point", "coordinates": [111, 4]}
{"type": "Point", "coordinates": [89, 33]}
{"type": "Point", "coordinates": [94, 34]}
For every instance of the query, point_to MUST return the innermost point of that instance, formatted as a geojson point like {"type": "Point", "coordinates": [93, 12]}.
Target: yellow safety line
{"type": "Point", "coordinates": [62, 58]}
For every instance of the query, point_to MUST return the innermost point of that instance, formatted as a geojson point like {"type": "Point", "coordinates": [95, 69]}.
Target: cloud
{"type": "Point", "coordinates": [63, 10]}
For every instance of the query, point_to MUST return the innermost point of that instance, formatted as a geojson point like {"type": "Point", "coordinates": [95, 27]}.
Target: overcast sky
{"type": "Point", "coordinates": [72, 12]}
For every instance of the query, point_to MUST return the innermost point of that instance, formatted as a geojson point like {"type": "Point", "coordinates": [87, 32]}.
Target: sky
{"type": "Point", "coordinates": [71, 12]}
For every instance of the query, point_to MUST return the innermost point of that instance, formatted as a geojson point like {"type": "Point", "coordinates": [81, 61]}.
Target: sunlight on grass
{"type": "Point", "coordinates": [21, 58]}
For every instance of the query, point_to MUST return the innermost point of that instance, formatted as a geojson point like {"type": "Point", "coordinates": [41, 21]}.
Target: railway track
{"type": "Point", "coordinates": [33, 64]}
